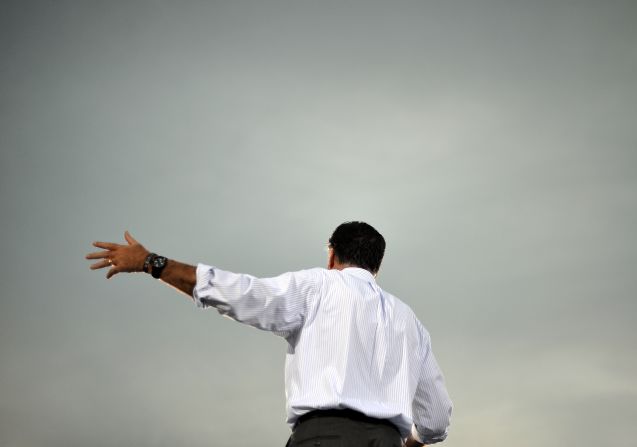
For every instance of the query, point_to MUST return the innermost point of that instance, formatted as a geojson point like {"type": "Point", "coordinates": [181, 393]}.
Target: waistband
{"type": "Point", "coordinates": [347, 413]}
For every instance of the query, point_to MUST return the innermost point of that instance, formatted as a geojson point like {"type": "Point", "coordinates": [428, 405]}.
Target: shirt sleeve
{"type": "Point", "coordinates": [276, 304]}
{"type": "Point", "coordinates": [431, 406]}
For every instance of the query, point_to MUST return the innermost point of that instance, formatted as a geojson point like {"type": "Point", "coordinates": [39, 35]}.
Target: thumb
{"type": "Point", "coordinates": [129, 238]}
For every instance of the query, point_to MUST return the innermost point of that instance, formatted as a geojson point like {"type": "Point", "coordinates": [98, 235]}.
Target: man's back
{"type": "Point", "coordinates": [361, 348]}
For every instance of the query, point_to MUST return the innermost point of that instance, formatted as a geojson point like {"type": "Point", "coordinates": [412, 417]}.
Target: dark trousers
{"type": "Point", "coordinates": [343, 428]}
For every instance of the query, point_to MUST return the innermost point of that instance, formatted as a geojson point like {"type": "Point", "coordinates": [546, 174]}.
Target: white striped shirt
{"type": "Point", "coordinates": [350, 344]}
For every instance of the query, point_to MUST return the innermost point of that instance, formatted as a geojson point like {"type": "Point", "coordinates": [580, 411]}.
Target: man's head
{"type": "Point", "coordinates": [357, 244]}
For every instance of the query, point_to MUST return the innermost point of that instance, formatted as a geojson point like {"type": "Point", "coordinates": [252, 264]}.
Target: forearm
{"type": "Point", "coordinates": [182, 277]}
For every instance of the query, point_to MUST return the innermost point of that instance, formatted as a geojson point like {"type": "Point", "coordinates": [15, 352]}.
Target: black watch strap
{"type": "Point", "coordinates": [158, 264]}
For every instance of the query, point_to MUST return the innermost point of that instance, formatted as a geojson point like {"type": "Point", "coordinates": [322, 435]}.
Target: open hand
{"type": "Point", "coordinates": [120, 258]}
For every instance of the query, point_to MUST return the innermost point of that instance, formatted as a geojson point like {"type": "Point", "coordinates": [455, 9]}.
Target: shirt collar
{"type": "Point", "coordinates": [359, 273]}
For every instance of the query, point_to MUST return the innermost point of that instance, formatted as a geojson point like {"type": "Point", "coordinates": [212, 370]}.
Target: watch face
{"type": "Point", "coordinates": [159, 261]}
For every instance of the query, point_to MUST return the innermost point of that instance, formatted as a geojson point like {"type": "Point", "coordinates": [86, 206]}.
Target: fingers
{"type": "Point", "coordinates": [101, 264]}
{"type": "Point", "coordinates": [106, 245]}
{"type": "Point", "coordinates": [111, 250]}
{"type": "Point", "coordinates": [129, 238]}
{"type": "Point", "coordinates": [99, 254]}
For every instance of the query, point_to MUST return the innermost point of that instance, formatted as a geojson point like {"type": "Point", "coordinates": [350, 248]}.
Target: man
{"type": "Point", "coordinates": [359, 368]}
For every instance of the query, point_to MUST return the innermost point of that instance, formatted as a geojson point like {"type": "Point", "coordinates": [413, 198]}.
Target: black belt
{"type": "Point", "coordinates": [352, 415]}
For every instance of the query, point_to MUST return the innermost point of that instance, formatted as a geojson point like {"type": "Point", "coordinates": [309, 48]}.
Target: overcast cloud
{"type": "Point", "coordinates": [494, 144]}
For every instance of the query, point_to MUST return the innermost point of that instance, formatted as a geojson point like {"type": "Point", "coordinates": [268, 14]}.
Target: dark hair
{"type": "Point", "coordinates": [358, 244]}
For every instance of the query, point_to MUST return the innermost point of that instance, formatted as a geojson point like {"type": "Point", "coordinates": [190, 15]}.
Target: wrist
{"type": "Point", "coordinates": [157, 266]}
{"type": "Point", "coordinates": [154, 264]}
{"type": "Point", "coordinates": [148, 261]}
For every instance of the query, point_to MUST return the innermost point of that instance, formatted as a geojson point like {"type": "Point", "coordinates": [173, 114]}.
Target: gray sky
{"type": "Point", "coordinates": [492, 143]}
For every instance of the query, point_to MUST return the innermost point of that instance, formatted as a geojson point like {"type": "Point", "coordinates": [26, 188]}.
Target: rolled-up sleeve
{"type": "Point", "coordinates": [431, 406]}
{"type": "Point", "coordinates": [276, 304]}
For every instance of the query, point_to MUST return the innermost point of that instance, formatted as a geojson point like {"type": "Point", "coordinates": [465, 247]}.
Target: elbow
{"type": "Point", "coordinates": [435, 429]}
{"type": "Point", "coordinates": [442, 422]}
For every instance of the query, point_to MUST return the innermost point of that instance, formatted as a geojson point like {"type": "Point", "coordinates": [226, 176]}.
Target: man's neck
{"type": "Point", "coordinates": [339, 266]}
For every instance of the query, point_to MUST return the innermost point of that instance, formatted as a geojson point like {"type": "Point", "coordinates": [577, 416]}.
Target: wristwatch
{"type": "Point", "coordinates": [154, 264]}
{"type": "Point", "coordinates": [157, 264]}
{"type": "Point", "coordinates": [147, 261]}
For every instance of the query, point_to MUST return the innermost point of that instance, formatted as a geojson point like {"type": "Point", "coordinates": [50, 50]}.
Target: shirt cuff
{"type": "Point", "coordinates": [204, 273]}
{"type": "Point", "coordinates": [427, 440]}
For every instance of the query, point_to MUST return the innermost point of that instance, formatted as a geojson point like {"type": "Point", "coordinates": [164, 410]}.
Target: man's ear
{"type": "Point", "coordinates": [331, 259]}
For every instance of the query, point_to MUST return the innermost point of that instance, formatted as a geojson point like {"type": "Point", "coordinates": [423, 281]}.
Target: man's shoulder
{"type": "Point", "coordinates": [406, 312]}
{"type": "Point", "coordinates": [399, 304]}
{"type": "Point", "coordinates": [312, 271]}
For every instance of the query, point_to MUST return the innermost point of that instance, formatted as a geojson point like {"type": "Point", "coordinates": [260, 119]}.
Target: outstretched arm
{"type": "Point", "coordinates": [130, 257]}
